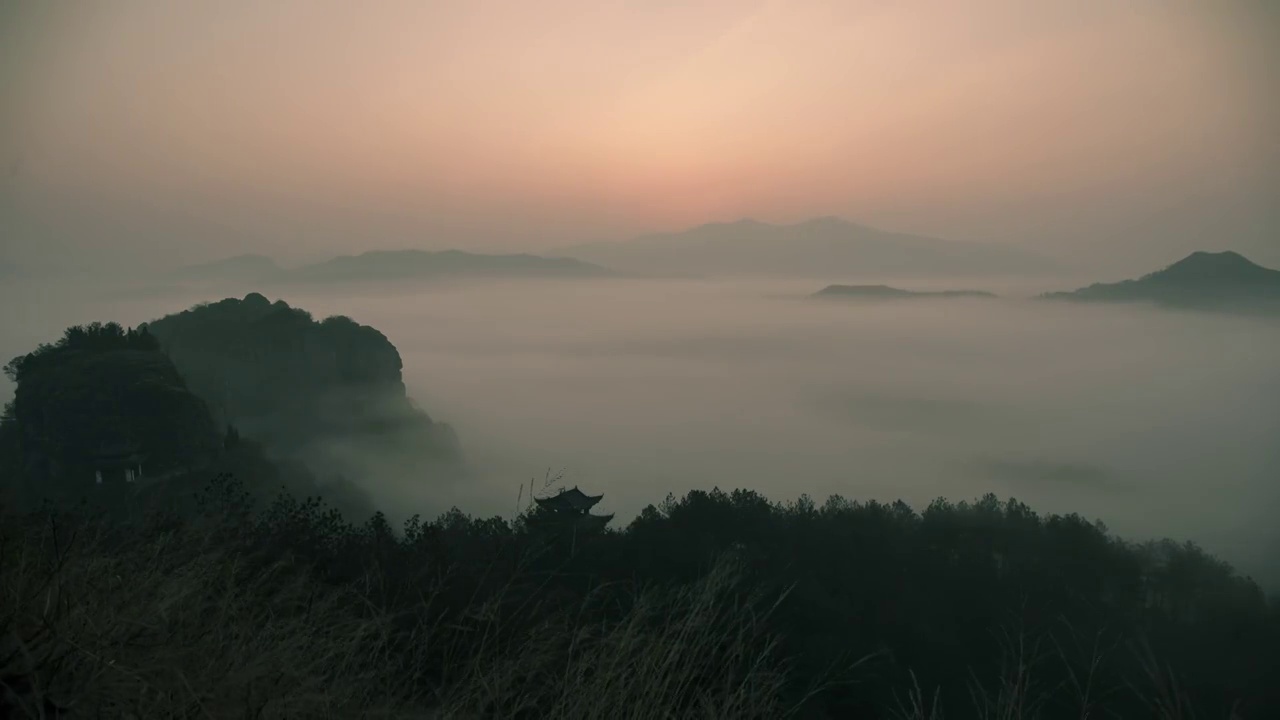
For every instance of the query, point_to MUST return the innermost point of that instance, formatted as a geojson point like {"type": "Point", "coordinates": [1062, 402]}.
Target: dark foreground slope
{"type": "Point", "coordinates": [1224, 281]}
{"type": "Point", "coordinates": [328, 393]}
{"type": "Point", "coordinates": [714, 605]}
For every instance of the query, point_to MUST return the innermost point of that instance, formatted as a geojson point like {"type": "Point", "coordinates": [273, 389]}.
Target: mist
{"type": "Point", "coordinates": [916, 251]}
{"type": "Point", "coordinates": [1159, 423]}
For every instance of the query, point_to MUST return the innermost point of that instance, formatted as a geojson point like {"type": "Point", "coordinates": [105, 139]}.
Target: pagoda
{"type": "Point", "coordinates": [570, 509]}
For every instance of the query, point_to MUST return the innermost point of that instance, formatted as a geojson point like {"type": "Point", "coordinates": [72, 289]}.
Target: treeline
{"type": "Point", "coordinates": [713, 605]}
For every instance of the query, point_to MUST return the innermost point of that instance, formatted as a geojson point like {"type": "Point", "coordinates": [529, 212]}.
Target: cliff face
{"type": "Point", "coordinates": [329, 393]}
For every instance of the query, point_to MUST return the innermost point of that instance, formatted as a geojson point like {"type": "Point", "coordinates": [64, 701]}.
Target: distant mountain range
{"type": "Point", "coordinates": [420, 264]}
{"type": "Point", "coordinates": [393, 265]}
{"type": "Point", "coordinates": [815, 248]}
{"type": "Point", "coordinates": [248, 268]}
{"type": "Point", "coordinates": [884, 292]}
{"type": "Point", "coordinates": [1203, 280]}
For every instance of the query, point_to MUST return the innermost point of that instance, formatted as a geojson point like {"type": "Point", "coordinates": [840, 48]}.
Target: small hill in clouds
{"type": "Point", "coordinates": [1224, 281]}
{"type": "Point", "coordinates": [884, 292]}
{"type": "Point", "coordinates": [815, 248]}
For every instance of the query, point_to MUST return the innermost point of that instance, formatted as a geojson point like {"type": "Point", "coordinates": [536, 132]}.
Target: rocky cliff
{"type": "Point", "coordinates": [327, 392]}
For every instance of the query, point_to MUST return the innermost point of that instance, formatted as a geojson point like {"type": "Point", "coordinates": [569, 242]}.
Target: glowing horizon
{"type": "Point", "coordinates": [511, 124]}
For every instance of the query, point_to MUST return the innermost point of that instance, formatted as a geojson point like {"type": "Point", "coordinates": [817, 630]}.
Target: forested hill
{"type": "Point", "coordinates": [327, 392]}
{"type": "Point", "coordinates": [99, 390]}
{"type": "Point", "coordinates": [1222, 281]}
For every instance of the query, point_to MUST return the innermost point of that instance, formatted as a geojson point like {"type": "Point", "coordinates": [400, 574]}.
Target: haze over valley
{"type": "Point", "coordinates": [580, 359]}
{"type": "Point", "coordinates": [1156, 421]}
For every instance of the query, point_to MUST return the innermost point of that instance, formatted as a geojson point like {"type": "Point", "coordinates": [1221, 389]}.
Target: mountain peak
{"type": "Point", "coordinates": [1213, 266]}
{"type": "Point", "coordinates": [827, 220]}
{"type": "Point", "coordinates": [1225, 257]}
{"type": "Point", "coordinates": [1208, 280]}
{"type": "Point", "coordinates": [740, 223]}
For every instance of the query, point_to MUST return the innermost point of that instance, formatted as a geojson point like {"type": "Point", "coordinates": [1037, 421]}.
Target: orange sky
{"type": "Point", "coordinates": [335, 125]}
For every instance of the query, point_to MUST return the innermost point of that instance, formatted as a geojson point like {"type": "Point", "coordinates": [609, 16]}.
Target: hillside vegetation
{"type": "Point", "coordinates": [712, 605]}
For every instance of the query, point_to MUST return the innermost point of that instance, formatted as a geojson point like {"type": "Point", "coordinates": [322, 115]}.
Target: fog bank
{"type": "Point", "coordinates": [1159, 423]}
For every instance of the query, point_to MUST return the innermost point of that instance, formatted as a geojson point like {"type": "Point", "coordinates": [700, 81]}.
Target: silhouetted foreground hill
{"type": "Point", "coordinates": [328, 393]}
{"type": "Point", "coordinates": [713, 605]}
{"type": "Point", "coordinates": [1212, 281]}
{"type": "Point", "coordinates": [884, 292]}
{"type": "Point", "coordinates": [815, 248]}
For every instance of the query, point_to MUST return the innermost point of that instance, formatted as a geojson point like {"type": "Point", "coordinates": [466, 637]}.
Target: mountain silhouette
{"type": "Point", "coordinates": [818, 247]}
{"type": "Point", "coordinates": [1225, 281]}
{"type": "Point", "coordinates": [389, 265]}
{"type": "Point", "coordinates": [239, 268]}
{"type": "Point", "coordinates": [884, 292]}
{"type": "Point", "coordinates": [381, 265]}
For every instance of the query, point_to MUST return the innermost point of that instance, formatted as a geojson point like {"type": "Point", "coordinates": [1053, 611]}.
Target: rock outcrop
{"type": "Point", "coordinates": [329, 393]}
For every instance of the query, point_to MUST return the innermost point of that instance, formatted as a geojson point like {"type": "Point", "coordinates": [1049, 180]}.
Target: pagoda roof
{"type": "Point", "coordinates": [597, 521]}
{"type": "Point", "coordinates": [571, 499]}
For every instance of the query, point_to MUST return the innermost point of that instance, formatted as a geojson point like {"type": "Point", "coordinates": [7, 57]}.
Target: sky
{"type": "Point", "coordinates": [148, 131]}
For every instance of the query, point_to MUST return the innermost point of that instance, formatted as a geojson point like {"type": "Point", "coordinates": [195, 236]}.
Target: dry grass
{"type": "Point", "coordinates": [1017, 693]}
{"type": "Point", "coordinates": [187, 621]}
{"type": "Point", "coordinates": [172, 626]}
{"type": "Point", "coordinates": [696, 652]}
{"type": "Point", "coordinates": [175, 624]}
